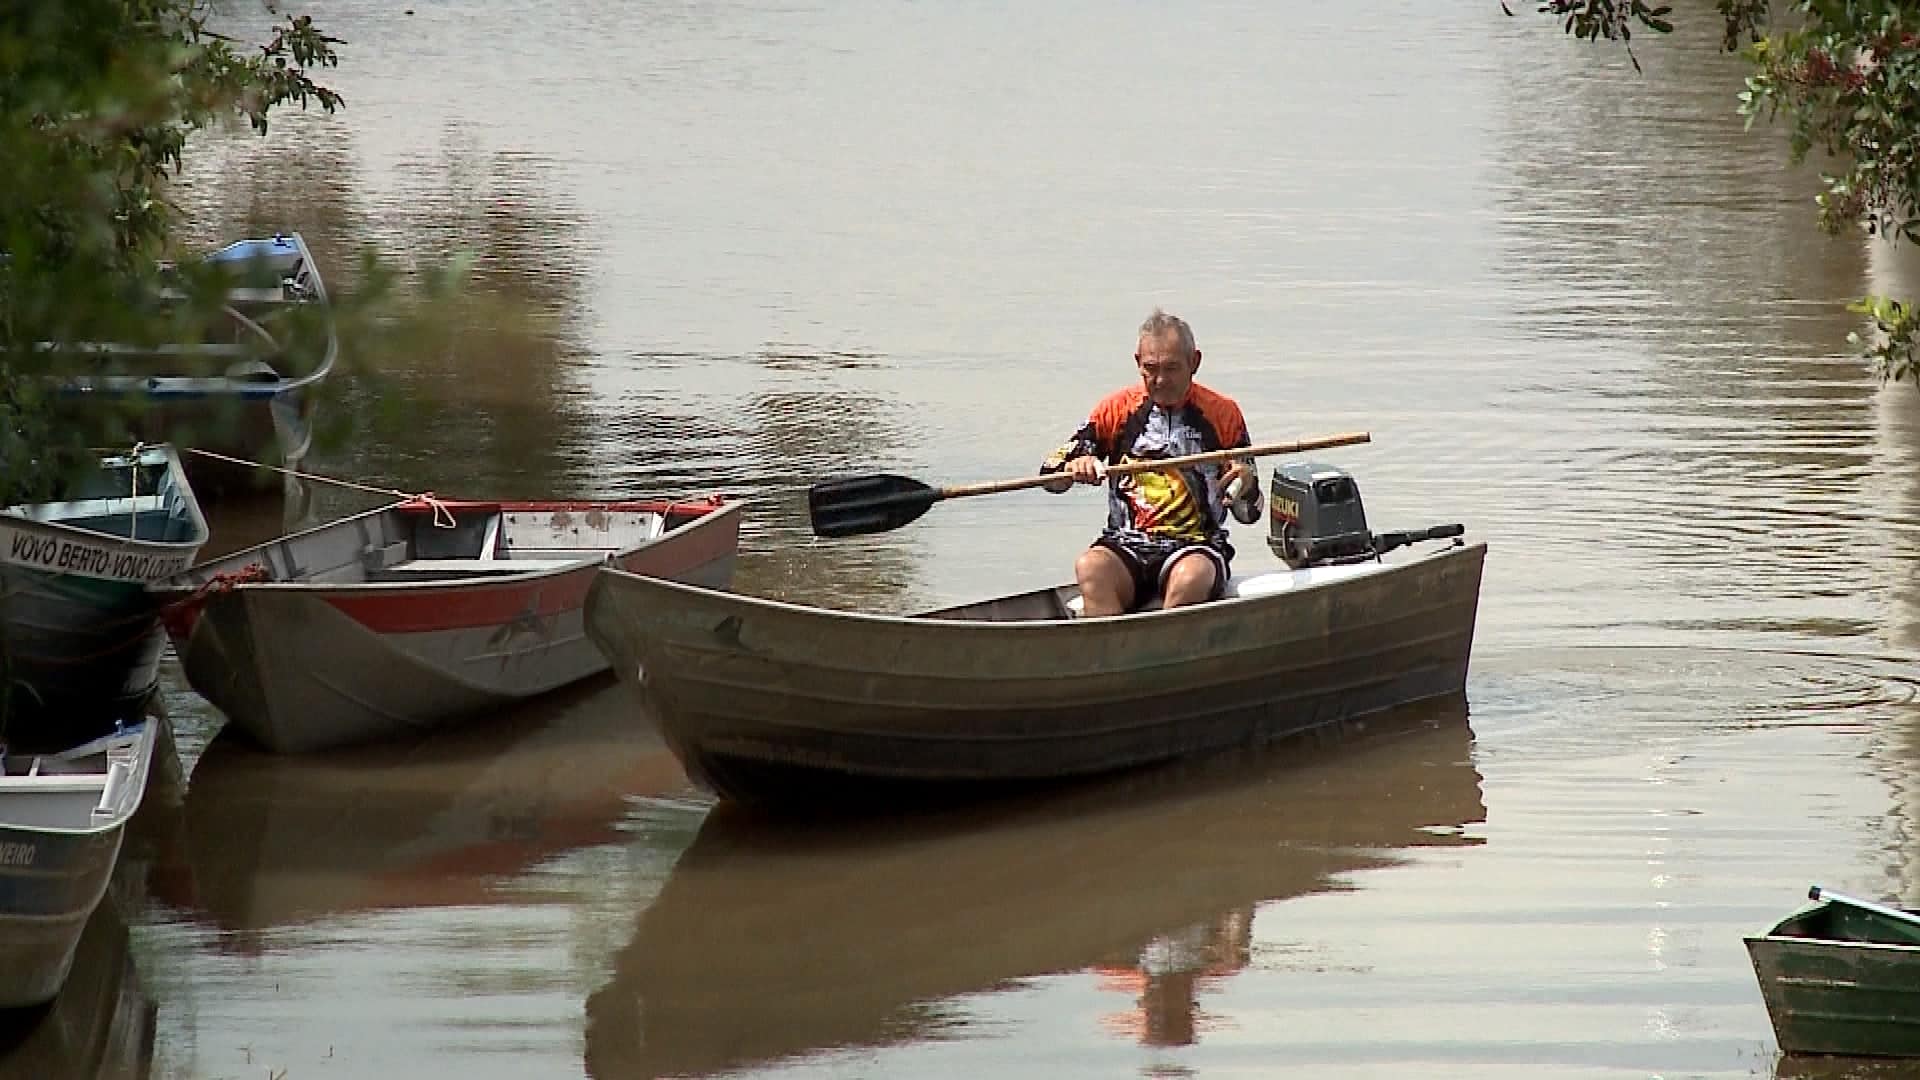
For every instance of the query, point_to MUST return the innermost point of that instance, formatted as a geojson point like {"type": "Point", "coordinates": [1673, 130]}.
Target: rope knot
{"type": "Point", "coordinates": [180, 616]}
{"type": "Point", "coordinates": [442, 517]}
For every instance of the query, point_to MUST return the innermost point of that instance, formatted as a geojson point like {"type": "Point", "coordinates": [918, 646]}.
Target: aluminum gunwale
{"type": "Point", "coordinates": [1030, 626]}
{"type": "Point", "coordinates": [162, 454]}
{"type": "Point", "coordinates": [723, 509]}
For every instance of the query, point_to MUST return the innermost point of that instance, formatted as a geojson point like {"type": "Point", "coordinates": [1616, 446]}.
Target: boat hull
{"type": "Point", "coordinates": [256, 408]}
{"type": "Point", "coordinates": [79, 652]}
{"type": "Point", "coordinates": [769, 702]}
{"type": "Point", "coordinates": [1827, 991]}
{"type": "Point", "coordinates": [45, 902]}
{"type": "Point", "coordinates": [305, 667]}
{"type": "Point", "coordinates": [80, 638]}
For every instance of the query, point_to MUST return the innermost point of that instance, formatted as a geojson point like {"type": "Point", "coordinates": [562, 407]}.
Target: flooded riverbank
{"type": "Point", "coordinates": [753, 245]}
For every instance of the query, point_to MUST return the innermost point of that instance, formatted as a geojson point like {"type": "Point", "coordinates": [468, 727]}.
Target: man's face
{"type": "Point", "coordinates": [1165, 370]}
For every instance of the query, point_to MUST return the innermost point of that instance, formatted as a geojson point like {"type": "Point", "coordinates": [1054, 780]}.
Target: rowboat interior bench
{"type": "Point", "coordinates": [423, 540]}
{"type": "Point", "coordinates": [121, 498]}
{"type": "Point", "coordinates": [490, 539]}
{"type": "Point", "coordinates": [1065, 602]}
{"type": "Point", "coordinates": [1248, 585]}
{"type": "Point", "coordinates": [69, 789]}
{"type": "Point", "coordinates": [1251, 585]}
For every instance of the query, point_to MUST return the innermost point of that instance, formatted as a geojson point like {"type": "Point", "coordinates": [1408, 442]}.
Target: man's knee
{"type": "Point", "coordinates": [1098, 566]}
{"type": "Point", "coordinates": [1192, 579]}
{"type": "Point", "coordinates": [1103, 574]}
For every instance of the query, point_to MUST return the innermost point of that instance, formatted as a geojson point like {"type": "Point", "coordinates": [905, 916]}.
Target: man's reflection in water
{"type": "Point", "coordinates": [1167, 975]}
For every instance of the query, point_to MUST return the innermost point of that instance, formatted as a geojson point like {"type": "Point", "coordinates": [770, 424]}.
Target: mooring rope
{"type": "Point", "coordinates": [442, 516]}
{"type": "Point", "coordinates": [133, 495]}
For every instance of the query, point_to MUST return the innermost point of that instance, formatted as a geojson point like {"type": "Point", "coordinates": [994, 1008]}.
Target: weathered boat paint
{"type": "Point", "coordinates": [1838, 980]}
{"type": "Point", "coordinates": [775, 702]}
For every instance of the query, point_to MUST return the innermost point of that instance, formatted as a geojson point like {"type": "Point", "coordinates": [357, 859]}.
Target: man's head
{"type": "Point", "coordinates": [1166, 357]}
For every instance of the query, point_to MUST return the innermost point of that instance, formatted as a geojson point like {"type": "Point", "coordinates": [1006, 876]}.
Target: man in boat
{"type": "Point", "coordinates": [1166, 531]}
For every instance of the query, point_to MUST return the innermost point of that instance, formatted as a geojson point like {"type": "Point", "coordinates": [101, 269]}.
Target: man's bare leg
{"type": "Point", "coordinates": [1106, 585]}
{"type": "Point", "coordinates": [1191, 580]}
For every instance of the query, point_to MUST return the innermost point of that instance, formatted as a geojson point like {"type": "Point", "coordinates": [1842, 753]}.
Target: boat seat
{"type": "Point", "coordinates": [1239, 585]}
{"type": "Point", "coordinates": [492, 558]}
{"type": "Point", "coordinates": [274, 297]}
{"type": "Point", "coordinates": [476, 566]}
{"type": "Point", "coordinates": [381, 556]}
{"type": "Point", "coordinates": [57, 783]}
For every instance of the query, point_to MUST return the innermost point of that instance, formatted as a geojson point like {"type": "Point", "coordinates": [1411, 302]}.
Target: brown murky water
{"type": "Point", "coordinates": [757, 243]}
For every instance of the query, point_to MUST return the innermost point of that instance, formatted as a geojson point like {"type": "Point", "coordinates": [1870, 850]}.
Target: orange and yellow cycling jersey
{"type": "Point", "coordinates": [1183, 504]}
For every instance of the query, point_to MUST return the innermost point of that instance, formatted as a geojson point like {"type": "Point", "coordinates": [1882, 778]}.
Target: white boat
{"type": "Point", "coordinates": [423, 613]}
{"type": "Point", "coordinates": [62, 816]}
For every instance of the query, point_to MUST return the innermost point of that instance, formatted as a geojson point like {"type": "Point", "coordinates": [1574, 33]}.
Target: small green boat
{"type": "Point", "coordinates": [80, 637]}
{"type": "Point", "coordinates": [1842, 976]}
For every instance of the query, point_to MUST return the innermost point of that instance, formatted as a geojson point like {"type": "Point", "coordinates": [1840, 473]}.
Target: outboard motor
{"type": "Point", "coordinates": [1316, 515]}
{"type": "Point", "coordinates": [1317, 518]}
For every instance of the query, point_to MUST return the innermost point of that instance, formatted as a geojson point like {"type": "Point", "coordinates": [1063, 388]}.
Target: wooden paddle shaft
{"type": "Point", "coordinates": [1208, 458]}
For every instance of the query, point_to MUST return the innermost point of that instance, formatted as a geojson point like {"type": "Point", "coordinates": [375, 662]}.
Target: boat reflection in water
{"type": "Point", "coordinates": [101, 1024]}
{"type": "Point", "coordinates": [274, 840]}
{"type": "Point", "coordinates": [772, 940]}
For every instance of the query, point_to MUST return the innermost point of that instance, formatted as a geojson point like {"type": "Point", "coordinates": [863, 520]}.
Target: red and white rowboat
{"type": "Point", "coordinates": [423, 612]}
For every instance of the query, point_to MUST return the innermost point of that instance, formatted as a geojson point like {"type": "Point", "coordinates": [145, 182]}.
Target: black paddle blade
{"type": "Point", "coordinates": [867, 504]}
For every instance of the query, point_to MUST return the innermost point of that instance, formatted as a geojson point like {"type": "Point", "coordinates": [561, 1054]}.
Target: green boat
{"type": "Point", "coordinates": [1842, 976]}
{"type": "Point", "coordinates": [80, 637]}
